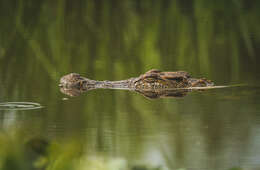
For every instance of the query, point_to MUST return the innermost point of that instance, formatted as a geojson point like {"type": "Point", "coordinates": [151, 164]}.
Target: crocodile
{"type": "Point", "coordinates": [151, 84]}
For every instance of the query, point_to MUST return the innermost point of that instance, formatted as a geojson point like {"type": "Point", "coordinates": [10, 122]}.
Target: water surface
{"type": "Point", "coordinates": [214, 129]}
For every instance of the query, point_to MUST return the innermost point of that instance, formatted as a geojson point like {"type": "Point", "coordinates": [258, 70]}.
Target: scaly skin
{"type": "Point", "coordinates": [151, 80]}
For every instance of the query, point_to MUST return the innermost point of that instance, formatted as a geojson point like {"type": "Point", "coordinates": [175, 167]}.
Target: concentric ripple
{"type": "Point", "coordinates": [19, 106]}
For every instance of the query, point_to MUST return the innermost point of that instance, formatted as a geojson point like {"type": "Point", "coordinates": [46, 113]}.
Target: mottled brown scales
{"type": "Point", "coordinates": [155, 79]}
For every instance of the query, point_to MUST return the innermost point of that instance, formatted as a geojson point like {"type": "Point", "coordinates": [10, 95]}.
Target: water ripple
{"type": "Point", "coordinates": [19, 106]}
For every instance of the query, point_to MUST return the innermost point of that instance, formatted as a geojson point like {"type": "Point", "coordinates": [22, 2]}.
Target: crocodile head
{"type": "Point", "coordinates": [76, 81]}
{"type": "Point", "coordinates": [72, 80]}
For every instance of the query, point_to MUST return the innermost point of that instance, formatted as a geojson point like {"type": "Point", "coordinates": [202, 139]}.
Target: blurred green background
{"type": "Point", "coordinates": [116, 39]}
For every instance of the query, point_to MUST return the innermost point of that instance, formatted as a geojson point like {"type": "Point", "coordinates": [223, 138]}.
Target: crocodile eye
{"type": "Point", "coordinates": [77, 84]}
{"type": "Point", "coordinates": [80, 85]}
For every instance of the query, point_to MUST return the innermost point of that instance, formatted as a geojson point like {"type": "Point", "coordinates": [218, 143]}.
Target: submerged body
{"type": "Point", "coordinates": [150, 81]}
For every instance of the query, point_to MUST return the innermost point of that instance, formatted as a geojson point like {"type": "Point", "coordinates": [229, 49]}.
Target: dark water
{"type": "Point", "coordinates": [116, 129]}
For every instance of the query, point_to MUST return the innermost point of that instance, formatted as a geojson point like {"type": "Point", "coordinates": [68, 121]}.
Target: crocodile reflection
{"type": "Point", "coordinates": [152, 94]}
{"type": "Point", "coordinates": [152, 84]}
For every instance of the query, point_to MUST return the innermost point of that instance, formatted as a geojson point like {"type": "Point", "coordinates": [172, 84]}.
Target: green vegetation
{"type": "Point", "coordinates": [130, 37]}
